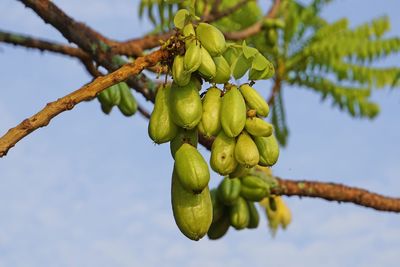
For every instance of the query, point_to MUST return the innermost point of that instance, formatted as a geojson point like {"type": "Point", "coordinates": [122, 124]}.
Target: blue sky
{"type": "Point", "coordinates": [93, 190]}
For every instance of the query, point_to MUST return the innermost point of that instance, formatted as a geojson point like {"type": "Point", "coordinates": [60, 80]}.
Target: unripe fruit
{"type": "Point", "coordinates": [180, 75]}
{"type": "Point", "coordinates": [246, 152]}
{"type": "Point", "coordinates": [219, 228]}
{"type": "Point", "coordinates": [254, 100]}
{"type": "Point", "coordinates": [127, 105]}
{"type": "Point", "coordinates": [258, 127]}
{"type": "Point", "coordinates": [207, 67]}
{"type": "Point", "coordinates": [185, 103]}
{"type": "Point", "coordinates": [239, 214]}
{"type": "Point", "coordinates": [218, 206]}
{"type": "Point", "coordinates": [268, 148]}
{"type": "Point", "coordinates": [183, 136]}
{"type": "Point", "coordinates": [189, 33]}
{"type": "Point", "coordinates": [192, 58]}
{"type": "Point", "coordinates": [223, 70]}
{"type": "Point", "coordinates": [254, 188]}
{"type": "Point", "coordinates": [191, 168]}
{"type": "Point", "coordinates": [222, 158]}
{"type": "Point", "coordinates": [233, 112]}
{"type": "Point", "coordinates": [229, 190]}
{"type": "Point", "coordinates": [161, 127]}
{"type": "Point", "coordinates": [211, 38]}
{"type": "Point", "coordinates": [254, 216]}
{"type": "Point", "coordinates": [192, 212]}
{"type": "Point", "coordinates": [210, 123]}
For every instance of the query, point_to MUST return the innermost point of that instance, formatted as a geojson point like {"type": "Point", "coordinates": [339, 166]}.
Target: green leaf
{"type": "Point", "coordinates": [180, 18]}
{"type": "Point", "coordinates": [249, 52]}
{"type": "Point", "coordinates": [260, 62]}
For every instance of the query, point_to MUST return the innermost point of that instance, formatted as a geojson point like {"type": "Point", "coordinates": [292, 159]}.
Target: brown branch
{"type": "Point", "coordinates": [337, 192]}
{"type": "Point", "coordinates": [144, 112]}
{"type": "Point", "coordinates": [87, 92]}
{"type": "Point", "coordinates": [256, 27]}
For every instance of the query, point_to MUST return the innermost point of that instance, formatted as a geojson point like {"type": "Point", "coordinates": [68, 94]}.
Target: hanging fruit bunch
{"type": "Point", "coordinates": [231, 114]}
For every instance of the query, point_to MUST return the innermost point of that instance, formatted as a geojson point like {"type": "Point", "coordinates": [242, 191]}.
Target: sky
{"type": "Point", "coordinates": [93, 190]}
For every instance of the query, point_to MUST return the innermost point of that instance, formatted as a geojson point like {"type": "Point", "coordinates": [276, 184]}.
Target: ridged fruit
{"type": "Point", "coordinates": [233, 112]}
{"type": "Point", "coordinates": [219, 228]}
{"type": "Point", "coordinates": [254, 188]}
{"type": "Point", "coordinates": [186, 107]}
{"type": "Point", "coordinates": [254, 216]}
{"type": "Point", "coordinates": [258, 127]}
{"type": "Point", "coordinates": [223, 70]}
{"type": "Point", "coordinates": [218, 206]}
{"type": "Point", "coordinates": [222, 158]}
{"type": "Point", "coordinates": [180, 75]}
{"type": "Point", "coordinates": [210, 123]}
{"type": "Point", "coordinates": [127, 105]}
{"type": "Point", "coordinates": [254, 100]}
{"type": "Point", "coordinates": [183, 136]}
{"type": "Point", "coordinates": [239, 214]}
{"type": "Point", "coordinates": [229, 190]}
{"type": "Point", "coordinates": [192, 58]}
{"type": "Point", "coordinates": [191, 168]}
{"type": "Point", "coordinates": [268, 148]}
{"type": "Point", "coordinates": [192, 212]}
{"type": "Point", "coordinates": [246, 152]}
{"type": "Point", "coordinates": [207, 67]}
{"type": "Point", "coordinates": [161, 127]}
{"type": "Point", "coordinates": [211, 38]}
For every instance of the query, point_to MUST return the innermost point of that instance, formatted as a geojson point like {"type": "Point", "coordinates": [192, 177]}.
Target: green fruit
{"type": "Point", "coordinates": [218, 207]}
{"type": "Point", "coordinates": [183, 136]}
{"type": "Point", "coordinates": [246, 152]}
{"type": "Point", "coordinates": [239, 215]}
{"type": "Point", "coordinates": [207, 67]}
{"type": "Point", "coordinates": [254, 188]}
{"type": "Point", "coordinates": [114, 94]}
{"type": "Point", "coordinates": [180, 75]}
{"type": "Point", "coordinates": [219, 228]}
{"type": "Point", "coordinates": [254, 216]}
{"type": "Point", "coordinates": [254, 100]}
{"type": "Point", "coordinates": [233, 112]}
{"type": "Point", "coordinates": [268, 148]}
{"type": "Point", "coordinates": [211, 38]}
{"type": "Point", "coordinates": [127, 104]}
{"type": "Point", "coordinates": [106, 108]}
{"type": "Point", "coordinates": [192, 58]}
{"type": "Point", "coordinates": [222, 158]}
{"type": "Point", "coordinates": [192, 212]}
{"type": "Point", "coordinates": [189, 33]}
{"type": "Point", "coordinates": [191, 168]}
{"type": "Point", "coordinates": [229, 190]}
{"type": "Point", "coordinates": [239, 171]}
{"type": "Point", "coordinates": [223, 70]}
{"type": "Point", "coordinates": [161, 127]}
{"type": "Point", "coordinates": [210, 123]}
{"type": "Point", "coordinates": [186, 108]}
{"type": "Point", "coordinates": [258, 127]}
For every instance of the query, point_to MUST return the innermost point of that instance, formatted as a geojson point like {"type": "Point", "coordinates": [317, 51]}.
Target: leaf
{"type": "Point", "coordinates": [260, 62]}
{"type": "Point", "coordinates": [180, 18]}
{"type": "Point", "coordinates": [240, 66]}
{"type": "Point", "coordinates": [249, 52]}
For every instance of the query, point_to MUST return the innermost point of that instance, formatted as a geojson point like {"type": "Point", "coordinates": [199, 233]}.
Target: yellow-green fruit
{"type": "Point", "coordinates": [192, 58]}
{"type": "Point", "coordinates": [180, 75]}
{"type": "Point", "coordinates": [239, 214]}
{"type": "Point", "coordinates": [211, 38]}
{"type": "Point", "coordinates": [127, 105]}
{"type": "Point", "coordinates": [218, 206]}
{"type": "Point", "coordinates": [207, 67]}
{"type": "Point", "coordinates": [185, 103]}
{"type": "Point", "coordinates": [239, 171]}
{"type": "Point", "coordinates": [268, 148]}
{"type": "Point", "coordinates": [191, 168]}
{"type": "Point", "coordinates": [254, 188]}
{"type": "Point", "coordinates": [222, 158]}
{"type": "Point", "coordinates": [254, 216]}
{"type": "Point", "coordinates": [233, 112]}
{"type": "Point", "coordinates": [254, 100]}
{"type": "Point", "coordinates": [192, 212]}
{"type": "Point", "coordinates": [229, 190]}
{"type": "Point", "coordinates": [183, 136]}
{"type": "Point", "coordinates": [223, 70]}
{"type": "Point", "coordinates": [258, 127]}
{"type": "Point", "coordinates": [246, 152]}
{"type": "Point", "coordinates": [219, 228]}
{"type": "Point", "coordinates": [161, 127]}
{"type": "Point", "coordinates": [189, 33]}
{"type": "Point", "coordinates": [210, 123]}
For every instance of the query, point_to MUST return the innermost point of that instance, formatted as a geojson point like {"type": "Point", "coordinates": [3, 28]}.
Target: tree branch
{"type": "Point", "coordinates": [336, 192]}
{"type": "Point", "coordinates": [87, 92]}
{"type": "Point", "coordinates": [256, 27]}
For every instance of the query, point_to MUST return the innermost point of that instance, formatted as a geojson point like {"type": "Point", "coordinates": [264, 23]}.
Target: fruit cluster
{"type": "Point", "coordinates": [118, 95]}
{"type": "Point", "coordinates": [232, 115]}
